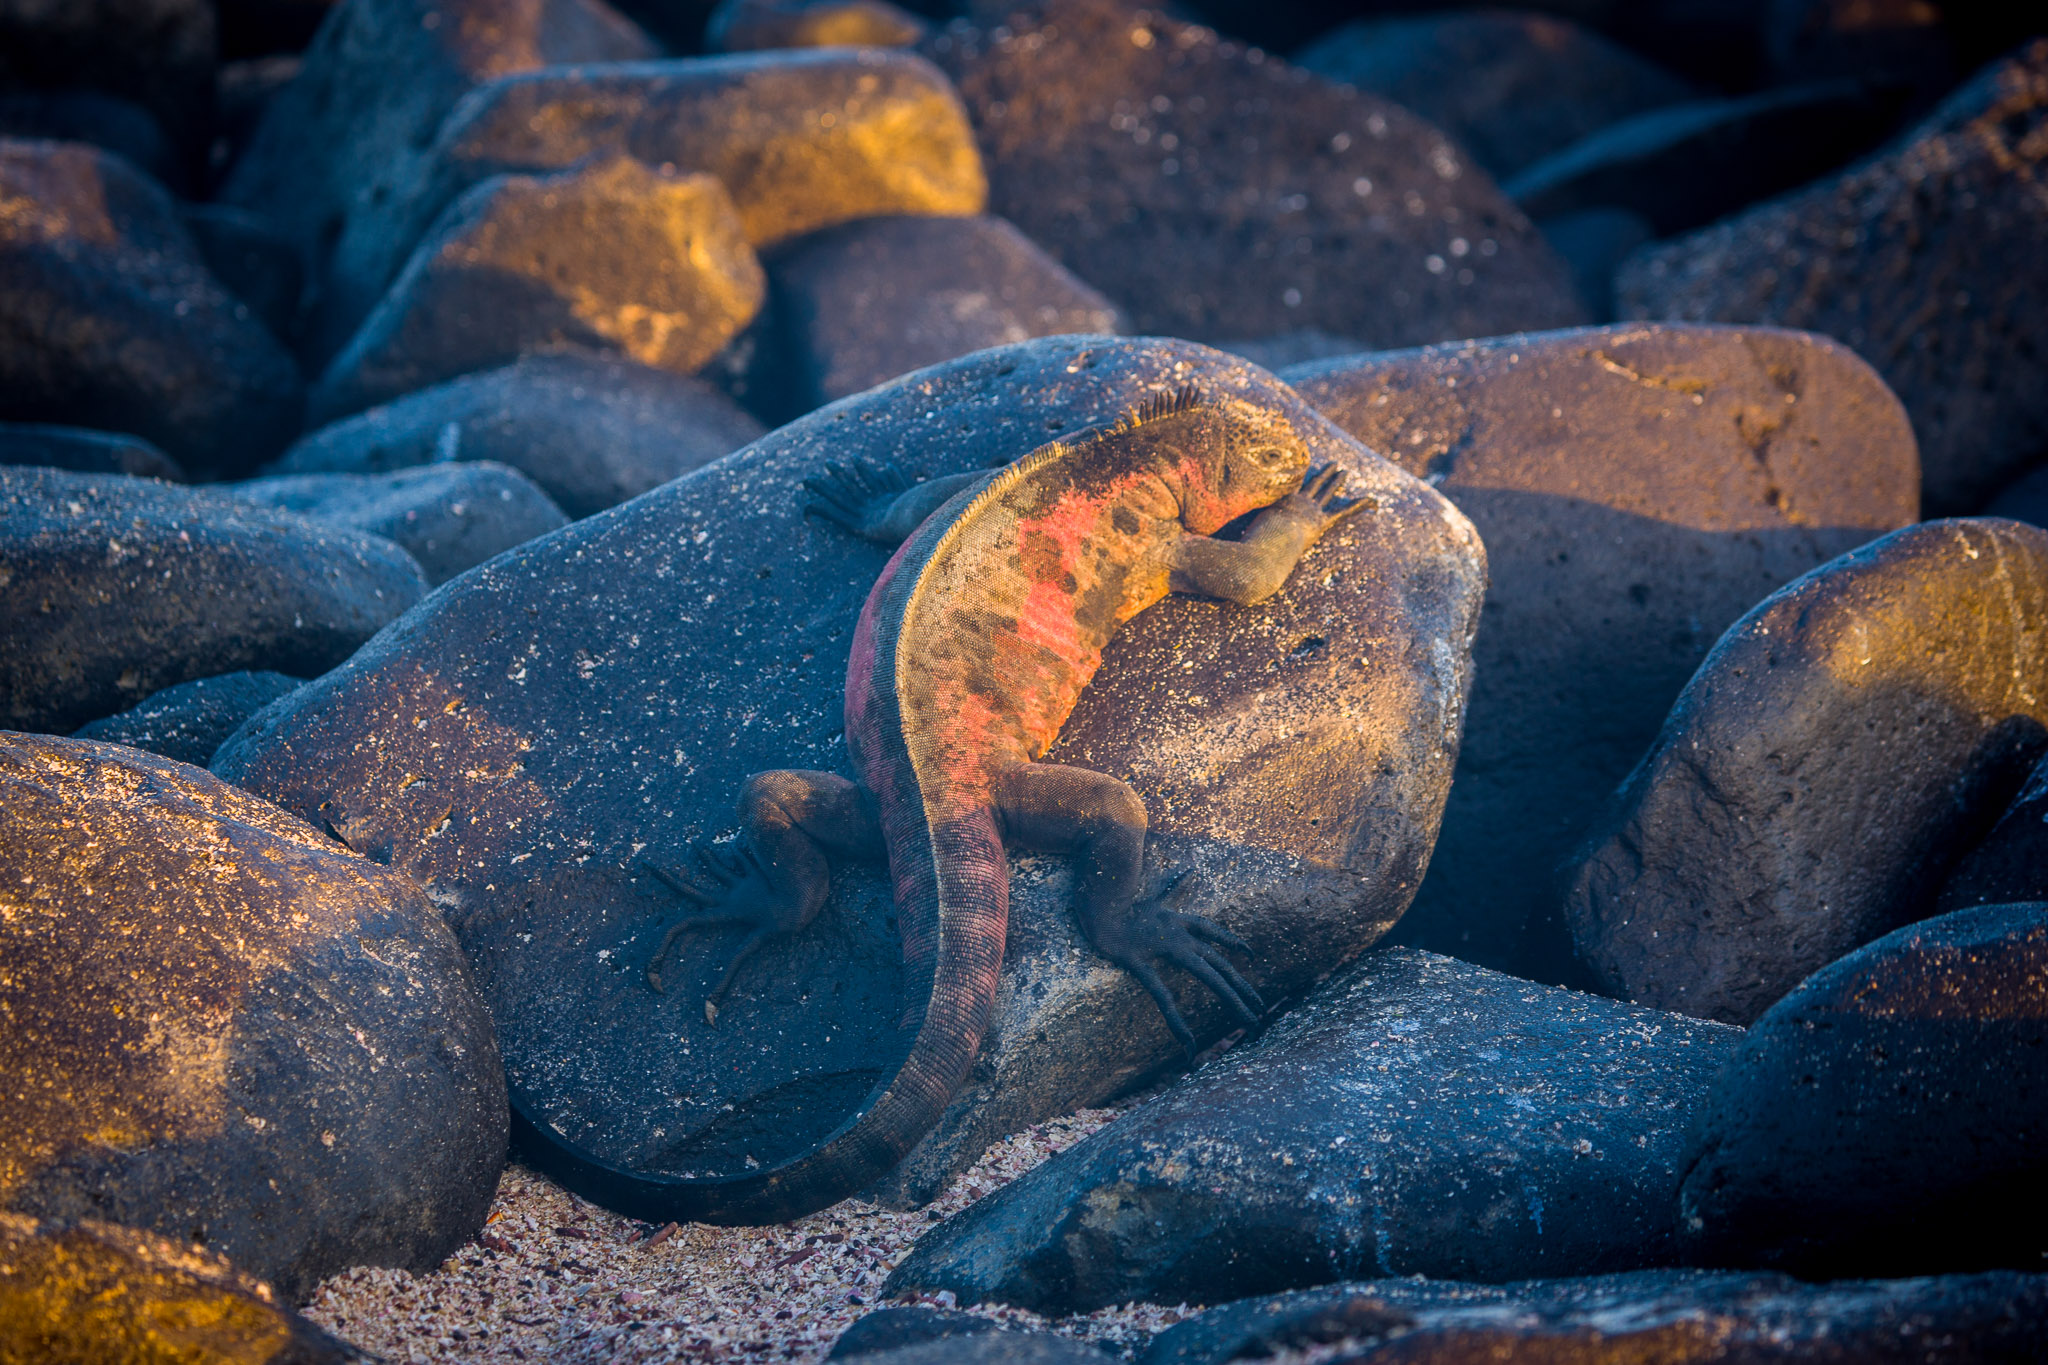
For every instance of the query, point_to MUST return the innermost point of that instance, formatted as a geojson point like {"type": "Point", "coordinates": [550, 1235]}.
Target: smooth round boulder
{"type": "Point", "coordinates": [1887, 1117]}
{"type": "Point", "coordinates": [2009, 866]}
{"type": "Point", "coordinates": [85, 451]}
{"type": "Point", "coordinates": [1839, 749]}
{"type": "Point", "coordinates": [115, 588]}
{"type": "Point", "coordinates": [189, 721]}
{"type": "Point", "coordinates": [591, 430]}
{"type": "Point", "coordinates": [93, 1293]}
{"type": "Point", "coordinates": [225, 1027]}
{"type": "Point", "coordinates": [554, 724]}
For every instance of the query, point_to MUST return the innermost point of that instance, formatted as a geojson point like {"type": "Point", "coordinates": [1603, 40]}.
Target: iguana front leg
{"type": "Point", "coordinates": [1250, 570]}
{"type": "Point", "coordinates": [775, 881]}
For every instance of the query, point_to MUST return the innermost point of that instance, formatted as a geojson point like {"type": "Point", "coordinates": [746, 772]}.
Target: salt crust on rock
{"type": "Point", "coordinates": [897, 141]}
{"type": "Point", "coordinates": [1834, 756]}
{"type": "Point", "coordinates": [115, 588]}
{"type": "Point", "coordinates": [526, 737]}
{"type": "Point", "coordinates": [224, 1026]}
{"type": "Point", "coordinates": [1416, 1115]}
{"type": "Point", "coordinates": [1638, 488]}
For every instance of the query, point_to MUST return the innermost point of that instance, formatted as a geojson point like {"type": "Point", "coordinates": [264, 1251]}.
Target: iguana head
{"type": "Point", "coordinates": [1245, 456]}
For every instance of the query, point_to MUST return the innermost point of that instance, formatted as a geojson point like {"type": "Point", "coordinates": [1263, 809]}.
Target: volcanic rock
{"type": "Point", "coordinates": [188, 722]}
{"type": "Point", "coordinates": [1841, 746]}
{"type": "Point", "coordinates": [897, 141]}
{"type": "Point", "coordinates": [116, 588]}
{"type": "Point", "coordinates": [108, 316]}
{"type": "Point", "coordinates": [348, 133]}
{"type": "Point", "coordinates": [1594, 243]}
{"type": "Point", "coordinates": [1510, 87]}
{"type": "Point", "coordinates": [553, 721]}
{"type": "Point", "coordinates": [1216, 192]}
{"type": "Point", "coordinates": [2010, 866]}
{"type": "Point", "coordinates": [592, 431]}
{"type": "Point", "coordinates": [85, 450]}
{"type": "Point", "coordinates": [258, 264]}
{"type": "Point", "coordinates": [1702, 1317]}
{"type": "Point", "coordinates": [749, 25]}
{"type": "Point", "coordinates": [1415, 1116]}
{"type": "Point", "coordinates": [449, 517]}
{"type": "Point", "coordinates": [1688, 164]}
{"type": "Point", "coordinates": [97, 1294]}
{"type": "Point", "coordinates": [1886, 1117]}
{"type": "Point", "coordinates": [106, 121]}
{"type": "Point", "coordinates": [1638, 489]}
{"type": "Point", "coordinates": [610, 256]}
{"type": "Point", "coordinates": [224, 1026]}
{"type": "Point", "coordinates": [2024, 499]}
{"type": "Point", "coordinates": [890, 1329]}
{"type": "Point", "coordinates": [869, 301]}
{"type": "Point", "coordinates": [994, 1348]}
{"type": "Point", "coordinates": [157, 52]}
{"type": "Point", "coordinates": [1951, 222]}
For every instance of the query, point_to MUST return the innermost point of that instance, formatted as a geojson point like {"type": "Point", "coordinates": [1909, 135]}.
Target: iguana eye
{"type": "Point", "coordinates": [1267, 456]}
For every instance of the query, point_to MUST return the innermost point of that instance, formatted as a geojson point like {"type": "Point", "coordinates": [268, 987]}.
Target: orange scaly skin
{"type": "Point", "coordinates": [970, 653]}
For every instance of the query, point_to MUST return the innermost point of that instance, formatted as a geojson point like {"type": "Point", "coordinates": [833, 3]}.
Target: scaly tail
{"type": "Point", "coordinates": [953, 899]}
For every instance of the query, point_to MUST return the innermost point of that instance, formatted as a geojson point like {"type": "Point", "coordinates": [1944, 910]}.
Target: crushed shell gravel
{"type": "Point", "coordinates": [554, 1278]}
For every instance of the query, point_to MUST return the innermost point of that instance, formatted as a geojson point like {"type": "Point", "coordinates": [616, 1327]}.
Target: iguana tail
{"type": "Point", "coordinates": [952, 896]}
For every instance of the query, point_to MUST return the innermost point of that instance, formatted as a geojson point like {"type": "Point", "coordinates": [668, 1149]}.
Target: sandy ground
{"type": "Point", "coordinates": [553, 1278]}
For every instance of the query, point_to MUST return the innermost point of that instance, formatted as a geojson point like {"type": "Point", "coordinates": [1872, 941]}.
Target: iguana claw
{"type": "Point", "coordinates": [723, 909]}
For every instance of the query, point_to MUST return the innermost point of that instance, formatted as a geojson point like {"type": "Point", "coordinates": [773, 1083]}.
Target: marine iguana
{"type": "Point", "coordinates": [970, 653]}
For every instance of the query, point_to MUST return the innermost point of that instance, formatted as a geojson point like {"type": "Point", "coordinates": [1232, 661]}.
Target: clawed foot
{"type": "Point", "coordinates": [730, 887]}
{"type": "Point", "coordinates": [1321, 498]}
{"type": "Point", "coordinates": [858, 496]}
{"type": "Point", "coordinates": [1156, 933]}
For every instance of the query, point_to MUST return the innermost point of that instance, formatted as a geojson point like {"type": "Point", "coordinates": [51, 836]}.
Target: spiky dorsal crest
{"type": "Point", "coordinates": [1186, 398]}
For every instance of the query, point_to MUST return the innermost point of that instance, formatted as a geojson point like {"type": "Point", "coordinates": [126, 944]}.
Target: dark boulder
{"type": "Point", "coordinates": [224, 1026]}
{"type": "Point", "coordinates": [751, 25]}
{"type": "Point", "coordinates": [1216, 192]}
{"type": "Point", "coordinates": [1594, 243]}
{"type": "Point", "coordinates": [258, 264]}
{"type": "Point", "coordinates": [116, 588]}
{"type": "Point", "coordinates": [1841, 746]}
{"type": "Point", "coordinates": [1688, 164]}
{"type": "Point", "coordinates": [1700, 1317]}
{"type": "Point", "coordinates": [550, 722]}
{"type": "Point", "coordinates": [1638, 489]}
{"type": "Point", "coordinates": [2010, 865]}
{"type": "Point", "coordinates": [1887, 1116]}
{"type": "Point", "coordinates": [85, 451]}
{"type": "Point", "coordinates": [803, 140]}
{"type": "Point", "coordinates": [866, 302]}
{"type": "Point", "coordinates": [449, 517]}
{"type": "Point", "coordinates": [349, 130]}
{"type": "Point", "coordinates": [93, 1293]}
{"type": "Point", "coordinates": [106, 121]}
{"type": "Point", "coordinates": [109, 317]}
{"type": "Point", "coordinates": [592, 431]}
{"type": "Point", "coordinates": [1952, 221]}
{"type": "Point", "coordinates": [891, 1329]}
{"type": "Point", "coordinates": [1509, 86]}
{"type": "Point", "coordinates": [1415, 1116]}
{"type": "Point", "coordinates": [995, 1348]}
{"type": "Point", "coordinates": [189, 721]}
{"type": "Point", "coordinates": [159, 53]}
{"type": "Point", "coordinates": [609, 256]}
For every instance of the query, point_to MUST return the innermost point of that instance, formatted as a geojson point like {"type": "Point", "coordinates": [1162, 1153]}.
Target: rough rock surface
{"type": "Point", "coordinates": [1951, 220]}
{"type": "Point", "coordinates": [1410, 1102]}
{"type": "Point", "coordinates": [189, 721]}
{"type": "Point", "coordinates": [897, 141]}
{"type": "Point", "coordinates": [223, 1026]}
{"type": "Point", "coordinates": [889, 1329]}
{"type": "Point", "coordinates": [1886, 1117]}
{"type": "Point", "coordinates": [158, 52]}
{"type": "Point", "coordinates": [1215, 192]}
{"type": "Point", "coordinates": [85, 451]}
{"type": "Point", "coordinates": [449, 517]}
{"type": "Point", "coordinates": [2010, 865]}
{"type": "Point", "coordinates": [108, 316]}
{"type": "Point", "coordinates": [866, 302]}
{"type": "Point", "coordinates": [115, 588]}
{"type": "Point", "coordinates": [93, 1293]}
{"type": "Point", "coordinates": [610, 256]}
{"type": "Point", "coordinates": [545, 721]}
{"type": "Point", "coordinates": [1842, 745]}
{"type": "Point", "coordinates": [1510, 87]}
{"type": "Point", "coordinates": [1701, 1317]}
{"type": "Point", "coordinates": [751, 25]}
{"type": "Point", "coordinates": [591, 430]}
{"type": "Point", "coordinates": [1638, 489]}
{"type": "Point", "coordinates": [348, 132]}
{"type": "Point", "coordinates": [1688, 164]}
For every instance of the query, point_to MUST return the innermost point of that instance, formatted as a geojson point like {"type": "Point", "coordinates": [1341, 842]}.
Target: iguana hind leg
{"type": "Point", "coordinates": [879, 502]}
{"type": "Point", "coordinates": [774, 880]}
{"type": "Point", "coordinates": [1101, 823]}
